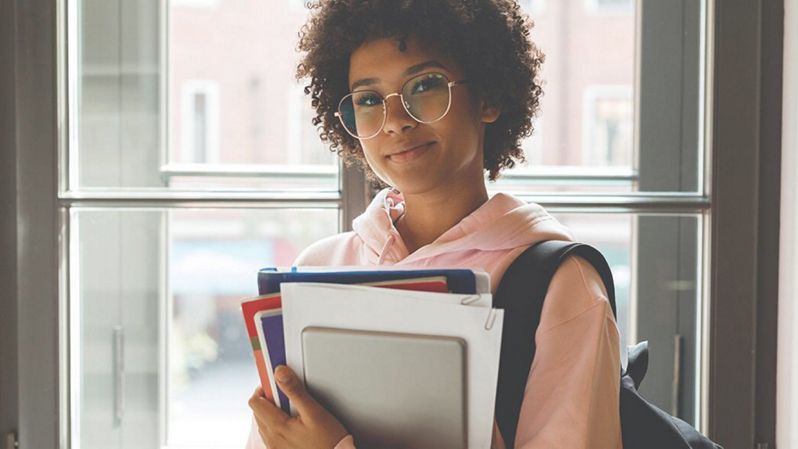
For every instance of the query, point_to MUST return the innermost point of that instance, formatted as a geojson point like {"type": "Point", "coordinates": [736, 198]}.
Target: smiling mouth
{"type": "Point", "coordinates": [410, 154]}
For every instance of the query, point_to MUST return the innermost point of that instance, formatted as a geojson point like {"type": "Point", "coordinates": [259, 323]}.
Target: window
{"type": "Point", "coordinates": [295, 101]}
{"type": "Point", "coordinates": [533, 6]}
{"type": "Point", "coordinates": [575, 61]}
{"type": "Point", "coordinates": [200, 122]}
{"type": "Point", "coordinates": [610, 6]}
{"type": "Point", "coordinates": [177, 113]}
{"type": "Point", "coordinates": [193, 3]}
{"type": "Point", "coordinates": [107, 82]}
{"type": "Point", "coordinates": [788, 243]}
{"type": "Point", "coordinates": [206, 167]}
{"type": "Point", "coordinates": [112, 141]}
{"type": "Point", "coordinates": [212, 257]}
{"type": "Point", "coordinates": [303, 141]}
{"type": "Point", "coordinates": [608, 124]}
{"type": "Point", "coordinates": [534, 146]}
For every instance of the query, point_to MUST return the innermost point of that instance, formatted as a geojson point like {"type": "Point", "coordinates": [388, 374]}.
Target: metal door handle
{"type": "Point", "coordinates": [119, 374]}
{"type": "Point", "coordinates": [11, 441]}
{"type": "Point", "coordinates": [677, 369]}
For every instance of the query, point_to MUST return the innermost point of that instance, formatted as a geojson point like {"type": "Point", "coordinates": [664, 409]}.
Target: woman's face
{"type": "Point", "coordinates": [419, 157]}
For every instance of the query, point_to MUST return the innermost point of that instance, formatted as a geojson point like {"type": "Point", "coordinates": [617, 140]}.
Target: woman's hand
{"type": "Point", "coordinates": [313, 427]}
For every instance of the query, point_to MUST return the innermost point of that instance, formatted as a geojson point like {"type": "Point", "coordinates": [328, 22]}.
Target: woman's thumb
{"type": "Point", "coordinates": [290, 384]}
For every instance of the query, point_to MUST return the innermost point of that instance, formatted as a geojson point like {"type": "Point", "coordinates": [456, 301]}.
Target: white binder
{"type": "Point", "coordinates": [469, 318]}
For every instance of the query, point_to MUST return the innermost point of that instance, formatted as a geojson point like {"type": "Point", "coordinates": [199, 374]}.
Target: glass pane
{"type": "Point", "coordinates": [618, 103]}
{"type": "Point", "coordinates": [169, 98]}
{"type": "Point", "coordinates": [159, 350]}
{"type": "Point", "coordinates": [655, 264]}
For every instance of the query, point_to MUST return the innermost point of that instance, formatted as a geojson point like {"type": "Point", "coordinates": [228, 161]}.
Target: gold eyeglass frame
{"type": "Point", "coordinates": [449, 85]}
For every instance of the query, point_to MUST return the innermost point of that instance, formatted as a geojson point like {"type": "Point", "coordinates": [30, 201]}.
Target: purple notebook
{"type": "Point", "coordinates": [272, 326]}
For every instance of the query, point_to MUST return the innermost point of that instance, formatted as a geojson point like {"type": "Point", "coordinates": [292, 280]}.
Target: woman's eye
{"type": "Point", "coordinates": [368, 100]}
{"type": "Point", "coordinates": [427, 83]}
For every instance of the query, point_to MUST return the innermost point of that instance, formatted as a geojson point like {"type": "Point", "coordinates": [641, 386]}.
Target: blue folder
{"type": "Point", "coordinates": [458, 280]}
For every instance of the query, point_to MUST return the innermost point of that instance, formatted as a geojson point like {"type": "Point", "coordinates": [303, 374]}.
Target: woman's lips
{"type": "Point", "coordinates": [407, 156]}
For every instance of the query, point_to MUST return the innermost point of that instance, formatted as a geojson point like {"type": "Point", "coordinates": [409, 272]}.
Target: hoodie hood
{"type": "Point", "coordinates": [502, 223]}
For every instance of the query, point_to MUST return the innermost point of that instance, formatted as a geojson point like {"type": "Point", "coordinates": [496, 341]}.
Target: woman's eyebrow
{"type": "Point", "coordinates": [410, 71]}
{"type": "Point", "coordinates": [424, 65]}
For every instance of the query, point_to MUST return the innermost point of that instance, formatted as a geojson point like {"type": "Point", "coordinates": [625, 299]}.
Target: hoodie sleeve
{"type": "Point", "coordinates": [254, 441]}
{"type": "Point", "coordinates": [571, 397]}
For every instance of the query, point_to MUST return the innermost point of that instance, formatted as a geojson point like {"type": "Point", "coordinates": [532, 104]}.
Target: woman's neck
{"type": "Point", "coordinates": [429, 214]}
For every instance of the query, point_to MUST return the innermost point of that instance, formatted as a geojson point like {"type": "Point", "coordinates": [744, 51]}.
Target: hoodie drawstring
{"type": "Point", "coordinates": [385, 247]}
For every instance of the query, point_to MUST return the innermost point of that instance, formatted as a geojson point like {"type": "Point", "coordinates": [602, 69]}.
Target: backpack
{"type": "Point", "coordinates": [521, 293]}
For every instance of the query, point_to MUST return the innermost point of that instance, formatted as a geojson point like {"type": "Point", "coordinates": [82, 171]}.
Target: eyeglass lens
{"type": "Point", "coordinates": [426, 99]}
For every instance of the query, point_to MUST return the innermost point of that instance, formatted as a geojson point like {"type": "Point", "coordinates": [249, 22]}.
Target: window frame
{"type": "Point", "coordinates": [188, 92]}
{"type": "Point", "coordinates": [787, 414]}
{"type": "Point", "coordinates": [33, 391]}
{"type": "Point", "coordinates": [590, 98]}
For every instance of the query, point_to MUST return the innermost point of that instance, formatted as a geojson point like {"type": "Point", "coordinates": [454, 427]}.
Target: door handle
{"type": "Point", "coordinates": [11, 440]}
{"type": "Point", "coordinates": [677, 369]}
{"type": "Point", "coordinates": [119, 374]}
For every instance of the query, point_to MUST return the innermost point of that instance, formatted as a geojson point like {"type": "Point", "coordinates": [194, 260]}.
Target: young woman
{"type": "Point", "coordinates": [431, 95]}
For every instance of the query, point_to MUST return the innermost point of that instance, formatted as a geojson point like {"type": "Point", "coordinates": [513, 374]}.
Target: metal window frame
{"type": "Point", "coordinates": [787, 405]}
{"type": "Point", "coordinates": [32, 371]}
{"type": "Point", "coordinates": [739, 226]}
{"type": "Point", "coordinates": [743, 245]}
{"type": "Point", "coordinates": [671, 61]}
{"type": "Point", "coordinates": [9, 234]}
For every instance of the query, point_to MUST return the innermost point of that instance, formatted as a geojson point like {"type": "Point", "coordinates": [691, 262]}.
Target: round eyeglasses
{"type": "Point", "coordinates": [426, 98]}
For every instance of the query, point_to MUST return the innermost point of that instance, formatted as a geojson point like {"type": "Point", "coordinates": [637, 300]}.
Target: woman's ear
{"type": "Point", "coordinates": [489, 113]}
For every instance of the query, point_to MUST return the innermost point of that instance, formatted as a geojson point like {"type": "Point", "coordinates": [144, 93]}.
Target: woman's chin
{"type": "Point", "coordinates": [416, 185]}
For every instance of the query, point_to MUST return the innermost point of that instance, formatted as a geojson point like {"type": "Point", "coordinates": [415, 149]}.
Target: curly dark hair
{"type": "Point", "coordinates": [490, 39]}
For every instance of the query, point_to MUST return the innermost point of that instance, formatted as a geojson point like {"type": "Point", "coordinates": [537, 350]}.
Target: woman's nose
{"type": "Point", "coordinates": [397, 120]}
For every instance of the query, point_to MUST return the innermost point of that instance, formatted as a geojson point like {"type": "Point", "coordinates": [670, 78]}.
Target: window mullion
{"type": "Point", "coordinates": [355, 197]}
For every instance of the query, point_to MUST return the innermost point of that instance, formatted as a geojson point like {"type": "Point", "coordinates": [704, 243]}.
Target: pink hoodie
{"type": "Point", "coordinates": [571, 397]}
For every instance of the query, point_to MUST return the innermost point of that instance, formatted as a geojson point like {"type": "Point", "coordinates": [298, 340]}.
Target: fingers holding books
{"type": "Point", "coordinates": [313, 427]}
{"type": "Point", "coordinates": [293, 388]}
{"type": "Point", "coordinates": [265, 411]}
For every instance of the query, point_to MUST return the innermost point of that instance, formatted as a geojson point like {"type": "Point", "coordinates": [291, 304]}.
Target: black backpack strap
{"type": "Point", "coordinates": [521, 293]}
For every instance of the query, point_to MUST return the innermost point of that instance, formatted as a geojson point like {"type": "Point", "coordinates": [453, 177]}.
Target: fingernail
{"type": "Point", "coordinates": [282, 374]}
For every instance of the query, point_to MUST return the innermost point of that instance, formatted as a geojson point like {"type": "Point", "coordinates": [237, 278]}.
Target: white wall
{"type": "Point", "coordinates": [787, 402]}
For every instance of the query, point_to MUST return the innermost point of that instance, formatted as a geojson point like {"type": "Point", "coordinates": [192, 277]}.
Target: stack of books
{"type": "Point", "coordinates": [403, 358]}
